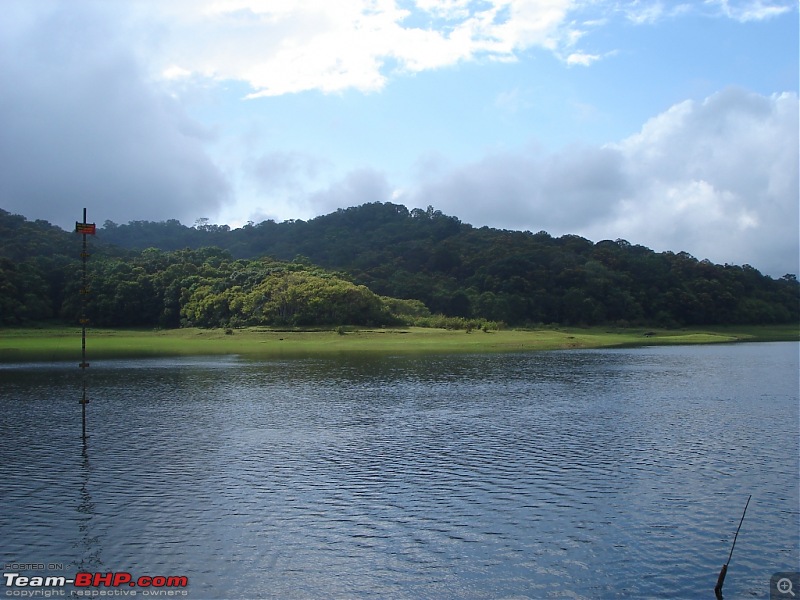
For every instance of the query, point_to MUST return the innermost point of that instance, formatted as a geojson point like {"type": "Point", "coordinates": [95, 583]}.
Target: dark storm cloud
{"type": "Point", "coordinates": [82, 128]}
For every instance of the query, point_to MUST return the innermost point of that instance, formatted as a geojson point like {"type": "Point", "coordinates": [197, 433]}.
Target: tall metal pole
{"type": "Point", "coordinates": [84, 229]}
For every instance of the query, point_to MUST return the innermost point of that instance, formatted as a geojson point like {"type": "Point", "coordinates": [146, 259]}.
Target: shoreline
{"type": "Point", "coordinates": [64, 343]}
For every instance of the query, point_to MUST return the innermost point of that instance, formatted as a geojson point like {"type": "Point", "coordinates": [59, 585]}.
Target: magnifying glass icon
{"type": "Point", "coordinates": [784, 586]}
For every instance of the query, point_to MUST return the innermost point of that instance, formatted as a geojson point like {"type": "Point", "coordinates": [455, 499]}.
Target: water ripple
{"type": "Point", "coordinates": [599, 474]}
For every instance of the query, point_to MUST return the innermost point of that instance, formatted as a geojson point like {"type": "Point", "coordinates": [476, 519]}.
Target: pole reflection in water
{"type": "Point", "coordinates": [88, 549]}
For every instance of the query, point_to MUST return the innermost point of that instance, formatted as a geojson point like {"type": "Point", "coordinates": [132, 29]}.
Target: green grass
{"type": "Point", "coordinates": [64, 343]}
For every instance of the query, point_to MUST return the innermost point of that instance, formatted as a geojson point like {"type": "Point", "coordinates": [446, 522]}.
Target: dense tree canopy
{"type": "Point", "coordinates": [369, 258]}
{"type": "Point", "coordinates": [208, 288]}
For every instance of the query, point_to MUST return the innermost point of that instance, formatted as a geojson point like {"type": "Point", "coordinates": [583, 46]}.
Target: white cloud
{"type": "Point", "coordinates": [649, 12]}
{"type": "Point", "coordinates": [751, 10]}
{"type": "Point", "coordinates": [281, 47]}
{"type": "Point", "coordinates": [449, 9]}
{"type": "Point", "coordinates": [718, 179]}
{"type": "Point", "coordinates": [581, 58]}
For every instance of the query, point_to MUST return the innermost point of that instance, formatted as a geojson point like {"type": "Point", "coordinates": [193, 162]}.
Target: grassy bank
{"type": "Point", "coordinates": [63, 343]}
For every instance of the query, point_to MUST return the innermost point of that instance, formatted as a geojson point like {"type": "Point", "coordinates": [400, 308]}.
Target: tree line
{"type": "Point", "coordinates": [511, 276]}
{"type": "Point", "coordinates": [376, 264]}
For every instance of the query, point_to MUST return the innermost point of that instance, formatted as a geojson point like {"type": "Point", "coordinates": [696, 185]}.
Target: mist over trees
{"type": "Point", "coordinates": [375, 264]}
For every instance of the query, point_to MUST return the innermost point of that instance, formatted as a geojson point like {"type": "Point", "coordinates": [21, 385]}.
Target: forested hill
{"type": "Point", "coordinates": [462, 271]}
{"type": "Point", "coordinates": [516, 277]}
{"type": "Point", "coordinates": [40, 280]}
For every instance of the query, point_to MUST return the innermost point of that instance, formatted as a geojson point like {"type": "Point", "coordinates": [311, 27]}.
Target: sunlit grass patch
{"type": "Point", "coordinates": [64, 343]}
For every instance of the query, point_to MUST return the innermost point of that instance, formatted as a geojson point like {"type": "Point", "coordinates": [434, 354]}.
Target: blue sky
{"type": "Point", "coordinates": [672, 125]}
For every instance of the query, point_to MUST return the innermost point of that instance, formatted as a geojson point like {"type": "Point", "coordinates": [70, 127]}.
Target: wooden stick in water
{"type": "Point", "coordinates": [724, 570]}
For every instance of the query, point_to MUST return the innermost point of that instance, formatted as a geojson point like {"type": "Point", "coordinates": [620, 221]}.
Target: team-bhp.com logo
{"type": "Point", "coordinates": [95, 584]}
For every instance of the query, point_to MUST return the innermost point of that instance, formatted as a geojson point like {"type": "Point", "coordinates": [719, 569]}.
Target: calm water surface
{"type": "Point", "coordinates": [581, 474]}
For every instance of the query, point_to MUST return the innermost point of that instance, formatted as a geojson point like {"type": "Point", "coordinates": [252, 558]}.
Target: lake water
{"type": "Point", "coordinates": [579, 474]}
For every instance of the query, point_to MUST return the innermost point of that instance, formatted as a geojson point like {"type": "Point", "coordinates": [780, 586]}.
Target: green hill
{"type": "Point", "coordinates": [512, 276]}
{"type": "Point", "coordinates": [167, 274]}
